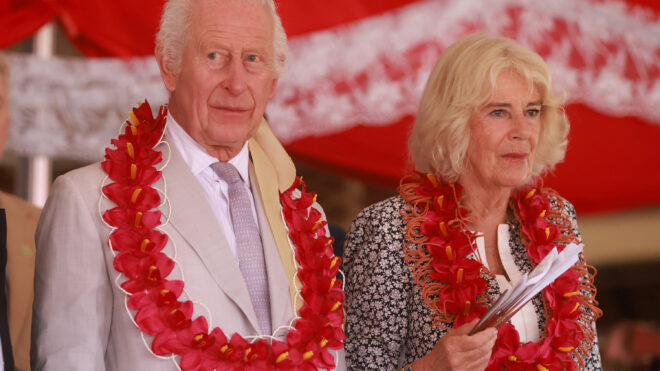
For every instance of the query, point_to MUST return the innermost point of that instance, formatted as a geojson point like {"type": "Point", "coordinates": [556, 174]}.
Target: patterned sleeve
{"type": "Point", "coordinates": [377, 289]}
{"type": "Point", "coordinates": [592, 360]}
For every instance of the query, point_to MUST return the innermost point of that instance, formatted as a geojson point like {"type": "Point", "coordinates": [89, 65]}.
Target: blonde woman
{"type": "Point", "coordinates": [423, 266]}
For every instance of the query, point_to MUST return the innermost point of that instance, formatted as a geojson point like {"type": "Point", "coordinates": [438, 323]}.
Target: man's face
{"type": "Point", "coordinates": [227, 75]}
{"type": "Point", "coordinates": [4, 114]}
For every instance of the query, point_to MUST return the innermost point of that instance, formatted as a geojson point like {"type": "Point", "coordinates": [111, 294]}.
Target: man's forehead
{"type": "Point", "coordinates": [249, 19]}
{"type": "Point", "coordinates": [229, 10]}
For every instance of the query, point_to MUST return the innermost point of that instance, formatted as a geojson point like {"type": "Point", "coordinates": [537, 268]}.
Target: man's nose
{"type": "Point", "coordinates": [235, 81]}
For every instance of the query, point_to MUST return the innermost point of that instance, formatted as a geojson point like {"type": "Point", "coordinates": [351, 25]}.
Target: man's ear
{"type": "Point", "coordinates": [272, 91]}
{"type": "Point", "coordinates": [166, 72]}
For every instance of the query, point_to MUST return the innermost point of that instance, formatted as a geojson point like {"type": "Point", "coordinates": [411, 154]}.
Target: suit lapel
{"type": "Point", "coordinates": [278, 282]}
{"type": "Point", "coordinates": [194, 220]}
{"type": "Point", "coordinates": [266, 180]}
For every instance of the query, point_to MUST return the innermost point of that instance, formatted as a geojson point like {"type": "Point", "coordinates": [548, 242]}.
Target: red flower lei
{"type": "Point", "coordinates": [437, 247]}
{"type": "Point", "coordinates": [161, 311]}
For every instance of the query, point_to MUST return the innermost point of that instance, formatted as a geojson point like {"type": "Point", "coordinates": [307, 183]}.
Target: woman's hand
{"type": "Point", "coordinates": [458, 351]}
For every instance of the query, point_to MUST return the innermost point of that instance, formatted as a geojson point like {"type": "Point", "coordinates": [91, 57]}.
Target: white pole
{"type": "Point", "coordinates": [39, 167]}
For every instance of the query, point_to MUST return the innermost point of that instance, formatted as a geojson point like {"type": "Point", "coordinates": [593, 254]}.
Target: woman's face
{"type": "Point", "coordinates": [503, 134]}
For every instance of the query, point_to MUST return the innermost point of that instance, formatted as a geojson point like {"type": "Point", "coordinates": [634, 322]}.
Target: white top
{"type": "Point", "coordinates": [215, 189]}
{"type": "Point", "coordinates": [526, 320]}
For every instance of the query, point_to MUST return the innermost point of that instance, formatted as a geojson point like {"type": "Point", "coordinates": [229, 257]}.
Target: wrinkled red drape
{"type": "Point", "coordinates": [125, 28]}
{"type": "Point", "coordinates": [19, 19]}
{"type": "Point", "coordinates": [612, 162]}
{"type": "Point", "coordinates": [119, 28]}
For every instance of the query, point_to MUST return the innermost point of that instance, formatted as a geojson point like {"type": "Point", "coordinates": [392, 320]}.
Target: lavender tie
{"type": "Point", "coordinates": [248, 242]}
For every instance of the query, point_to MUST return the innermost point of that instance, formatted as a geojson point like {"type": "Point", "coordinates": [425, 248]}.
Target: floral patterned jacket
{"type": "Point", "coordinates": [387, 325]}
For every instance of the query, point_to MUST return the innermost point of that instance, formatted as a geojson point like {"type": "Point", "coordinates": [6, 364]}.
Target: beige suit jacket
{"type": "Point", "coordinates": [22, 220]}
{"type": "Point", "coordinates": [80, 320]}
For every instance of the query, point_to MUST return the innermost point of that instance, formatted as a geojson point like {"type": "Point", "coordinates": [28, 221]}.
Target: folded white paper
{"type": "Point", "coordinates": [552, 266]}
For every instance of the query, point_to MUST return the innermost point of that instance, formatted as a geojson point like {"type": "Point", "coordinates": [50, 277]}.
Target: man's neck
{"type": "Point", "coordinates": [221, 152]}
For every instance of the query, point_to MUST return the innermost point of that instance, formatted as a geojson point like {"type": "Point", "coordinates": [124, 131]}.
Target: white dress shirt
{"type": "Point", "coordinates": [215, 189]}
{"type": "Point", "coordinates": [526, 319]}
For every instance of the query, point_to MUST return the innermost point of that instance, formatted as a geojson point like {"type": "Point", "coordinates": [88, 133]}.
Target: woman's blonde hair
{"type": "Point", "coordinates": [462, 80]}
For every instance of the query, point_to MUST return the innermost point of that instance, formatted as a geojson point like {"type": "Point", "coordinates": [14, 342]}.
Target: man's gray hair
{"type": "Point", "coordinates": [176, 21]}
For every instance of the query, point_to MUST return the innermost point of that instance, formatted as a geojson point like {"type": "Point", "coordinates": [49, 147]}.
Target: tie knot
{"type": "Point", "coordinates": [227, 172]}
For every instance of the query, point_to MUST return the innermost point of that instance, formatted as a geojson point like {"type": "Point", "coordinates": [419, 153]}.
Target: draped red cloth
{"type": "Point", "coordinates": [612, 163]}
{"type": "Point", "coordinates": [19, 19]}
{"type": "Point", "coordinates": [126, 28]}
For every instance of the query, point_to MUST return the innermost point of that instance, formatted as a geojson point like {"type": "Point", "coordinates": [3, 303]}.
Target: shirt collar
{"type": "Point", "coordinates": [196, 157]}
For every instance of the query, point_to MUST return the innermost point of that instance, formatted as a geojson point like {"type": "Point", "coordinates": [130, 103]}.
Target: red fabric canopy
{"type": "Point", "coordinates": [126, 28]}
{"type": "Point", "coordinates": [612, 163]}
{"type": "Point", "coordinates": [20, 19]}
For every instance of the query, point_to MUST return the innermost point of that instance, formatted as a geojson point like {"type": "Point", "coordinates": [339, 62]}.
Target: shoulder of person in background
{"type": "Point", "coordinates": [21, 222]}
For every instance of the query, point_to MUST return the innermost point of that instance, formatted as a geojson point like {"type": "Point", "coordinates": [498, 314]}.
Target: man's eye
{"type": "Point", "coordinates": [213, 56]}
{"type": "Point", "coordinates": [252, 58]}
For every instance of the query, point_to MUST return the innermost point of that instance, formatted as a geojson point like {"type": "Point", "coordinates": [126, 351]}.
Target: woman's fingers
{"type": "Point", "coordinates": [459, 351]}
{"type": "Point", "coordinates": [478, 340]}
{"type": "Point", "coordinates": [466, 328]}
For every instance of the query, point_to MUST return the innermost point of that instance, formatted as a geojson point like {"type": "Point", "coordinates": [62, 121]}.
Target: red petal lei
{"type": "Point", "coordinates": [437, 246]}
{"type": "Point", "coordinates": [163, 313]}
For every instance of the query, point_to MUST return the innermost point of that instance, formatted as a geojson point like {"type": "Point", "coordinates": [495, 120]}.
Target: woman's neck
{"type": "Point", "coordinates": [485, 205]}
{"type": "Point", "coordinates": [487, 210]}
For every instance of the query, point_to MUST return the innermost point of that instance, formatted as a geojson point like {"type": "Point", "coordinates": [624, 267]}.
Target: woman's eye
{"type": "Point", "coordinates": [497, 113]}
{"type": "Point", "coordinates": [533, 112]}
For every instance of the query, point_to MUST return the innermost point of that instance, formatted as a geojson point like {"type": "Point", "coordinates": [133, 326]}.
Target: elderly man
{"type": "Point", "coordinates": [173, 253]}
{"type": "Point", "coordinates": [21, 223]}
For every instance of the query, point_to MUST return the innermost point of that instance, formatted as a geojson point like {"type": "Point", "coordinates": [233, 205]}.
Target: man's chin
{"type": "Point", "coordinates": [229, 134]}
